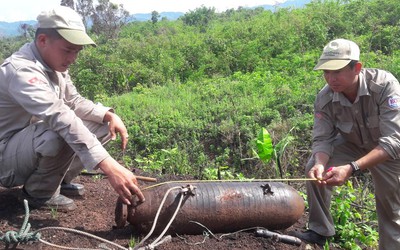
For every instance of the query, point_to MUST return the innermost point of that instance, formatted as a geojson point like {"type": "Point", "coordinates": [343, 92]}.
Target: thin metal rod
{"type": "Point", "coordinates": [289, 179]}
{"type": "Point", "coordinates": [249, 180]}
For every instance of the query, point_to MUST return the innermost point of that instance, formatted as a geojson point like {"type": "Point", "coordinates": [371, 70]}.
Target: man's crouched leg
{"type": "Point", "coordinates": [42, 187]}
{"type": "Point", "coordinates": [58, 202]}
{"type": "Point", "coordinates": [72, 189]}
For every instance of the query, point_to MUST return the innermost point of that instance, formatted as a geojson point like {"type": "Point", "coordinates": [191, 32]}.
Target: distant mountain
{"type": "Point", "coordinates": [288, 4]}
{"type": "Point", "coordinates": [176, 15]}
{"type": "Point", "coordinates": [8, 29]}
{"type": "Point", "coordinates": [147, 16]}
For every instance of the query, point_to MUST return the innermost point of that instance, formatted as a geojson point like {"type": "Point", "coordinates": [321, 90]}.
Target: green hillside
{"type": "Point", "coordinates": [206, 83]}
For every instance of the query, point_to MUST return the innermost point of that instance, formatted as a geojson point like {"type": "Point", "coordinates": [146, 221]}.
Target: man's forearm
{"type": "Point", "coordinates": [321, 158]}
{"type": "Point", "coordinates": [374, 157]}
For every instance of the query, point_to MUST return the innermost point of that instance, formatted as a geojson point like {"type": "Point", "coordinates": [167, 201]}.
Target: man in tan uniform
{"type": "Point", "coordinates": [45, 123]}
{"type": "Point", "coordinates": [356, 127]}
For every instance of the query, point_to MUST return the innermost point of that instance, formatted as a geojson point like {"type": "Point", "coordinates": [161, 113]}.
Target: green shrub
{"type": "Point", "coordinates": [354, 215]}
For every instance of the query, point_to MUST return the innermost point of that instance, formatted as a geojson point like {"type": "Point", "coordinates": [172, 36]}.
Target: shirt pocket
{"type": "Point", "coordinates": [372, 125]}
{"type": "Point", "coordinates": [345, 127]}
{"type": "Point", "coordinates": [346, 130]}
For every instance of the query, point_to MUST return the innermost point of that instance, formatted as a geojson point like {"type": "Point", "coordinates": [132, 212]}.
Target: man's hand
{"type": "Point", "coordinates": [337, 176]}
{"type": "Point", "coordinates": [122, 180]}
{"type": "Point", "coordinates": [116, 125]}
{"type": "Point", "coordinates": [317, 172]}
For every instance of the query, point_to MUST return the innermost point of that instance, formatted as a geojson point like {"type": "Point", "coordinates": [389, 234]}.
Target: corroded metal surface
{"type": "Point", "coordinates": [219, 206]}
{"type": "Point", "coordinates": [121, 213]}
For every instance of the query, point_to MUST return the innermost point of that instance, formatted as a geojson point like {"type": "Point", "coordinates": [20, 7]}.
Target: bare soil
{"type": "Point", "coordinates": [95, 215]}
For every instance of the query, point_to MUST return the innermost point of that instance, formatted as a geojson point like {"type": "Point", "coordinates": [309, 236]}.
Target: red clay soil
{"type": "Point", "coordinates": [95, 214]}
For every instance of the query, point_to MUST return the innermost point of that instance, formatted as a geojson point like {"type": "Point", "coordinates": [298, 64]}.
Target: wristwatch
{"type": "Point", "coordinates": [355, 168]}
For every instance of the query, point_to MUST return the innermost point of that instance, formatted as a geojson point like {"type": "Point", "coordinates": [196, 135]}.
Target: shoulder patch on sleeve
{"type": "Point", "coordinates": [35, 80]}
{"type": "Point", "coordinates": [318, 115]}
{"type": "Point", "coordinates": [394, 102]}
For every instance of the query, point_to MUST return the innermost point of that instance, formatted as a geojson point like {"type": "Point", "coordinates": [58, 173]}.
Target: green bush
{"type": "Point", "coordinates": [354, 215]}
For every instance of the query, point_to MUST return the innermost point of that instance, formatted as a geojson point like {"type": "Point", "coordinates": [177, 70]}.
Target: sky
{"type": "Point", "coordinates": [24, 10]}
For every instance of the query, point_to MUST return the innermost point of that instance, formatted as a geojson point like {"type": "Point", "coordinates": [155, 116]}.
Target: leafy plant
{"type": "Point", "coordinates": [53, 212]}
{"type": "Point", "coordinates": [354, 216]}
{"type": "Point", "coordinates": [164, 161]}
{"type": "Point", "coordinates": [220, 173]}
{"type": "Point", "coordinates": [264, 146]}
{"type": "Point", "coordinates": [97, 177]}
{"type": "Point", "coordinates": [132, 242]}
{"type": "Point", "coordinates": [266, 151]}
{"type": "Point", "coordinates": [279, 150]}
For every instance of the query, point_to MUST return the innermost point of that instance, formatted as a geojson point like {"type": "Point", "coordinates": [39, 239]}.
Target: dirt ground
{"type": "Point", "coordinates": [95, 215]}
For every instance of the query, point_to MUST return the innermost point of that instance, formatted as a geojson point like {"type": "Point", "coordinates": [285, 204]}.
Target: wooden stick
{"type": "Point", "coordinates": [146, 179]}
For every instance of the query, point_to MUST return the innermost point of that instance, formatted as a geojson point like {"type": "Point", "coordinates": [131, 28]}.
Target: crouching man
{"type": "Point", "coordinates": [48, 130]}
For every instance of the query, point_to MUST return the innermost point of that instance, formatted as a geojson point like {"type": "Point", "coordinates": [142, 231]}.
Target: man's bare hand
{"type": "Point", "coordinates": [337, 176]}
{"type": "Point", "coordinates": [117, 126]}
{"type": "Point", "coordinates": [317, 172]}
{"type": "Point", "coordinates": [122, 180]}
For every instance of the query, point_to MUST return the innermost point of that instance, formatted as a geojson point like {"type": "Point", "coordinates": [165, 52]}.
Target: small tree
{"type": "Point", "coordinates": [26, 30]}
{"type": "Point", "coordinates": [200, 17]}
{"type": "Point", "coordinates": [68, 3]}
{"type": "Point", "coordinates": [154, 17]}
{"type": "Point", "coordinates": [108, 18]}
{"type": "Point", "coordinates": [85, 9]}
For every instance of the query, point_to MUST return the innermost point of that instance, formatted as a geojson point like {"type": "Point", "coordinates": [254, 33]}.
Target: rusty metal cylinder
{"type": "Point", "coordinates": [219, 206]}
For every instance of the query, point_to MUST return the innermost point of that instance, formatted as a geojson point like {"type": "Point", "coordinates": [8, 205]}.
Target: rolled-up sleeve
{"type": "Point", "coordinates": [389, 122]}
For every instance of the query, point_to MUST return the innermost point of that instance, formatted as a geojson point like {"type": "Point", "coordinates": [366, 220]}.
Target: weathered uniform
{"type": "Point", "coordinates": [44, 122]}
{"type": "Point", "coordinates": [347, 131]}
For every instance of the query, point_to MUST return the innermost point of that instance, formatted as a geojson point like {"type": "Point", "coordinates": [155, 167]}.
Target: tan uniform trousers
{"type": "Point", "coordinates": [39, 159]}
{"type": "Point", "coordinates": [386, 178]}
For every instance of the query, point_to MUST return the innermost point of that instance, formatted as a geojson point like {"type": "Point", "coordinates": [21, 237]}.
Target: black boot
{"type": "Point", "coordinates": [310, 236]}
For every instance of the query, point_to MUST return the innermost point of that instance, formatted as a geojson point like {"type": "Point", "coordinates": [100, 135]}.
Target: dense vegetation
{"type": "Point", "coordinates": [204, 85]}
{"type": "Point", "coordinates": [195, 92]}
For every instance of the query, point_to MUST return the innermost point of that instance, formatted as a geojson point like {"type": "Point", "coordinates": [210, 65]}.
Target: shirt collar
{"type": "Point", "coordinates": [39, 59]}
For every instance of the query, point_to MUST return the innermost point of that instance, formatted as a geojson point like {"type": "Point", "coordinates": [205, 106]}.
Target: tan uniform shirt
{"type": "Point", "coordinates": [29, 89]}
{"type": "Point", "coordinates": [373, 119]}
